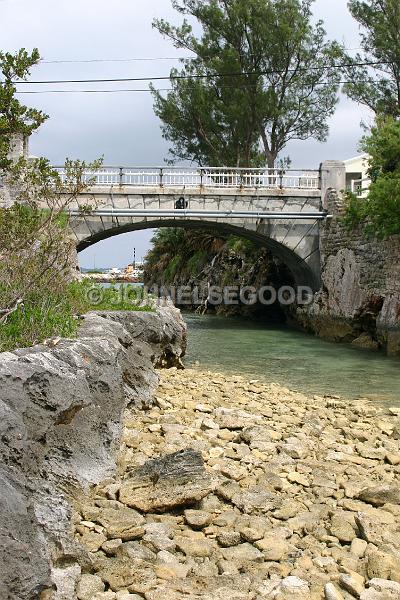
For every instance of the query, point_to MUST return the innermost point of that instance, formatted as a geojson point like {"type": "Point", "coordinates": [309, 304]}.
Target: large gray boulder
{"type": "Point", "coordinates": [60, 426]}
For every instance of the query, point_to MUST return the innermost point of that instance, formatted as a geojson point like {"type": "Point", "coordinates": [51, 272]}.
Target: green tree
{"type": "Point", "coordinates": [262, 75]}
{"type": "Point", "coordinates": [15, 118]}
{"type": "Point", "coordinates": [380, 211]}
{"type": "Point", "coordinates": [378, 85]}
{"type": "Point", "coordinates": [35, 244]}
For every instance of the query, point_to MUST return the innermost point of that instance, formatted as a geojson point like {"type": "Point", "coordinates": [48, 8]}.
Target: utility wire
{"type": "Point", "coordinates": [91, 91]}
{"type": "Point", "coordinates": [116, 60]}
{"type": "Point", "coordinates": [138, 59]}
{"type": "Point", "coordinates": [195, 76]}
{"type": "Point", "coordinates": [146, 89]}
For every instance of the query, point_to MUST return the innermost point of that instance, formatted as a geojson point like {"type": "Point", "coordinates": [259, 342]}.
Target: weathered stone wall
{"type": "Point", "coordinates": [19, 149]}
{"type": "Point", "coordinates": [360, 298]}
{"type": "Point", "coordinates": [60, 425]}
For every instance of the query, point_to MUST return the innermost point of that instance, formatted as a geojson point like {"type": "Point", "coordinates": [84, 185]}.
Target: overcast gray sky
{"type": "Point", "coordinates": [122, 126]}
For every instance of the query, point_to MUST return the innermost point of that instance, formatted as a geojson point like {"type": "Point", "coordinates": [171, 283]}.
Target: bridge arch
{"type": "Point", "coordinates": [294, 244]}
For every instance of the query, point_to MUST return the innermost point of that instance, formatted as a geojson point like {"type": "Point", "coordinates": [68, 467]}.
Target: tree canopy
{"type": "Point", "coordinates": [262, 74]}
{"type": "Point", "coordinates": [15, 118]}
{"type": "Point", "coordinates": [376, 85]}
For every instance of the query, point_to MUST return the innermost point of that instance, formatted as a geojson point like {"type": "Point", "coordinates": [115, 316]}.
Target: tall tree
{"type": "Point", "coordinates": [378, 84]}
{"type": "Point", "coordinates": [262, 75]}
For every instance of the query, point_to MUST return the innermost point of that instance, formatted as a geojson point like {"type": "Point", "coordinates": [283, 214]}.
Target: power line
{"type": "Point", "coordinates": [115, 60]}
{"type": "Point", "coordinates": [196, 76]}
{"type": "Point", "coordinates": [136, 59]}
{"type": "Point", "coordinates": [147, 89]}
{"type": "Point", "coordinates": [91, 91]}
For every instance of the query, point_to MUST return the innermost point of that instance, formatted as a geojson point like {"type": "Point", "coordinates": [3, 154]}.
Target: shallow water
{"type": "Point", "coordinates": [296, 360]}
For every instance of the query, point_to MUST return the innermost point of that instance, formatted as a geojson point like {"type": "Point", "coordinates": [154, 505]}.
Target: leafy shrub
{"type": "Point", "coordinates": [380, 211]}
{"type": "Point", "coordinates": [240, 245]}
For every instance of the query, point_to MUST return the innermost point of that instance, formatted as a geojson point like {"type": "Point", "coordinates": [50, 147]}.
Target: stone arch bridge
{"type": "Point", "coordinates": [284, 211]}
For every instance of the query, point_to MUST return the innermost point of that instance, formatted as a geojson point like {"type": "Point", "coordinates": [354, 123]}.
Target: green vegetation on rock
{"type": "Point", "coordinates": [200, 258]}
{"type": "Point", "coordinates": [47, 313]}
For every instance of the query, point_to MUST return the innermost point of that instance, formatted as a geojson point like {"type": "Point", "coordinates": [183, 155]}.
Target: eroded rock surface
{"type": "Point", "coordinates": [60, 425]}
{"type": "Point", "coordinates": [178, 479]}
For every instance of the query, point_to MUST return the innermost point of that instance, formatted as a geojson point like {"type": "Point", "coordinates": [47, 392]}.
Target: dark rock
{"type": "Point", "coordinates": [380, 495]}
{"type": "Point", "coordinates": [178, 479]}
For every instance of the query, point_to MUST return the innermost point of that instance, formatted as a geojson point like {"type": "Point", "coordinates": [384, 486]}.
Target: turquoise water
{"type": "Point", "coordinates": [296, 360]}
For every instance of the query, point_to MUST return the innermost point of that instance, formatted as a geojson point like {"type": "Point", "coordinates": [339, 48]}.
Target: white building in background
{"type": "Point", "coordinates": [357, 180]}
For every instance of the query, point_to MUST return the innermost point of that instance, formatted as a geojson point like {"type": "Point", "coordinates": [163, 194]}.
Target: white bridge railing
{"type": "Point", "coordinates": [208, 177]}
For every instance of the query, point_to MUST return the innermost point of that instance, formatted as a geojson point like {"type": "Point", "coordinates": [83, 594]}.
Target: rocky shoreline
{"type": "Point", "coordinates": [61, 407]}
{"type": "Point", "coordinates": [228, 488]}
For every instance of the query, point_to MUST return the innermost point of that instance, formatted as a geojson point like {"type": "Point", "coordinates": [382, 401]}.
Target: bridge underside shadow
{"type": "Point", "coordinates": [296, 244]}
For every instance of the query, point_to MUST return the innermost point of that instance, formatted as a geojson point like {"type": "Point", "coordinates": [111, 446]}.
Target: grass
{"type": "Point", "coordinates": [48, 314]}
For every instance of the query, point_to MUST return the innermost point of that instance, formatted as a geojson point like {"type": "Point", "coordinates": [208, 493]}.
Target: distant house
{"type": "Point", "coordinates": [357, 180]}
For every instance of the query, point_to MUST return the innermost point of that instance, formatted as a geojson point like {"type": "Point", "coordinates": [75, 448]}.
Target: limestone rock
{"type": "Point", "coordinates": [380, 495]}
{"type": "Point", "coordinates": [295, 448]}
{"type": "Point", "coordinates": [250, 534]}
{"type": "Point", "coordinates": [198, 519]}
{"type": "Point", "coordinates": [352, 583]}
{"type": "Point", "coordinates": [298, 478]}
{"type": "Point", "coordinates": [88, 586]}
{"type": "Point", "coordinates": [178, 479]}
{"type": "Point", "coordinates": [380, 589]}
{"type": "Point", "coordinates": [123, 573]}
{"type": "Point", "coordinates": [293, 588]}
{"type": "Point", "coordinates": [273, 547]}
{"type": "Point", "coordinates": [393, 459]}
{"type": "Point", "coordinates": [375, 531]}
{"type": "Point", "coordinates": [92, 540]}
{"type": "Point", "coordinates": [358, 547]}
{"type": "Point", "coordinates": [60, 431]}
{"type": "Point", "coordinates": [342, 529]}
{"type": "Point", "coordinates": [65, 581]}
{"type": "Point", "coordinates": [366, 342]}
{"type": "Point", "coordinates": [382, 565]}
{"type": "Point", "coordinates": [242, 554]}
{"type": "Point", "coordinates": [158, 537]}
{"type": "Point", "coordinates": [256, 500]}
{"type": "Point", "coordinates": [332, 593]}
{"type": "Point", "coordinates": [124, 523]}
{"type": "Point", "coordinates": [228, 538]}
{"type": "Point", "coordinates": [198, 547]}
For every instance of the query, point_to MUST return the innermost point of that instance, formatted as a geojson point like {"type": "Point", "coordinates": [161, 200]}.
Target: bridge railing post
{"type": "Point", "coordinates": [121, 176]}
{"type": "Point", "coordinates": [161, 177]}
{"type": "Point", "coordinates": [333, 185]}
{"type": "Point", "coordinates": [281, 174]}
